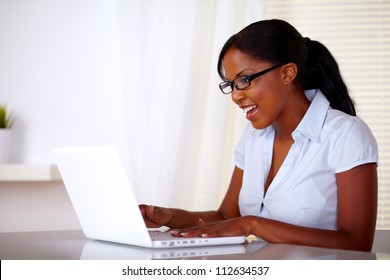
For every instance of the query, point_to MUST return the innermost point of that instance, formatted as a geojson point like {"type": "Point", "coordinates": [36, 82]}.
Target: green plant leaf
{"type": "Point", "coordinates": [6, 119]}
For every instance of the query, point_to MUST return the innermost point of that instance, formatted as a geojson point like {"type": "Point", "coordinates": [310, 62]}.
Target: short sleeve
{"type": "Point", "coordinates": [353, 145]}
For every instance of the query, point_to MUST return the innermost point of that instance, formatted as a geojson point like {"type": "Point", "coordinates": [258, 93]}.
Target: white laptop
{"type": "Point", "coordinates": [103, 200]}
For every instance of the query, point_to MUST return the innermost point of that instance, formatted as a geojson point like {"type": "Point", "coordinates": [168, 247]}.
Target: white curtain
{"type": "Point", "coordinates": [177, 120]}
{"type": "Point", "coordinates": [139, 74]}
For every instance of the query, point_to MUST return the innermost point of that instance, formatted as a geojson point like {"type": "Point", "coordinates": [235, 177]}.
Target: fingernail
{"type": "Point", "coordinates": [204, 235]}
{"type": "Point", "coordinates": [184, 234]}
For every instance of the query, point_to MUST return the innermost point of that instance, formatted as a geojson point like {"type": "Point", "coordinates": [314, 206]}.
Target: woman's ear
{"type": "Point", "coordinates": [290, 72]}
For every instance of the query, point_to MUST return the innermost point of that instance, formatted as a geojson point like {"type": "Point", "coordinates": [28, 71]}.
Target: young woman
{"type": "Point", "coordinates": [306, 166]}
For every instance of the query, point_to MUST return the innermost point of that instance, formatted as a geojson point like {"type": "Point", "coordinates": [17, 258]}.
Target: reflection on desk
{"type": "Point", "coordinates": [63, 245]}
{"type": "Point", "coordinates": [101, 250]}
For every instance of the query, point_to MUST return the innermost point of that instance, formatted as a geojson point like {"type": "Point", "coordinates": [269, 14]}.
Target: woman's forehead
{"type": "Point", "coordinates": [236, 63]}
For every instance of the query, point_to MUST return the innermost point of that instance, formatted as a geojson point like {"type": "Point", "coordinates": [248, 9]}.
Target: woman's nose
{"type": "Point", "coordinates": [237, 95]}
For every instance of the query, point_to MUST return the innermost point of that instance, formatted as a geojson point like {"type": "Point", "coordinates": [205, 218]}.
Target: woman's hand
{"type": "Point", "coordinates": [232, 227]}
{"type": "Point", "coordinates": [155, 216]}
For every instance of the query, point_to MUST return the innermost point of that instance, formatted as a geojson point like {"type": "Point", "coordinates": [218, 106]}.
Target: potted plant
{"type": "Point", "coordinates": [6, 122]}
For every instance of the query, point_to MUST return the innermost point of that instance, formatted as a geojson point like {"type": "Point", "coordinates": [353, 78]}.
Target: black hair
{"type": "Point", "coordinates": [279, 42]}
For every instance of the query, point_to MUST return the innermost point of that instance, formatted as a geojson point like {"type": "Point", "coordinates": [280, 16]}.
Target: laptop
{"type": "Point", "coordinates": [104, 202]}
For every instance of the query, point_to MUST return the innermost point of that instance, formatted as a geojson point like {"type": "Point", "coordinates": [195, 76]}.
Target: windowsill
{"type": "Point", "coordinates": [29, 173]}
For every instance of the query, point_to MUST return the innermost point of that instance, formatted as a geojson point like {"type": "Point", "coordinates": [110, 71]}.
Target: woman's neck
{"type": "Point", "coordinates": [292, 115]}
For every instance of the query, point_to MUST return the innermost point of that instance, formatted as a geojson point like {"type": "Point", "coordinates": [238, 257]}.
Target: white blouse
{"type": "Point", "coordinates": [304, 191]}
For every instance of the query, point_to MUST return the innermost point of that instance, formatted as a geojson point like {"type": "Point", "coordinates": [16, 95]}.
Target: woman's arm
{"type": "Point", "coordinates": [357, 206]}
{"type": "Point", "coordinates": [178, 218]}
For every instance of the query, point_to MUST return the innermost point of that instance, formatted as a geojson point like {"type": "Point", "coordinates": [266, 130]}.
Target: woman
{"type": "Point", "coordinates": [306, 166]}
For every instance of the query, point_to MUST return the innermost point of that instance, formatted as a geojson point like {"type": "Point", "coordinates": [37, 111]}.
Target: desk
{"type": "Point", "coordinates": [65, 245]}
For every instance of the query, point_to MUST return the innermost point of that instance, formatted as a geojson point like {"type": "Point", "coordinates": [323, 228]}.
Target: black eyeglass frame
{"type": "Point", "coordinates": [249, 78]}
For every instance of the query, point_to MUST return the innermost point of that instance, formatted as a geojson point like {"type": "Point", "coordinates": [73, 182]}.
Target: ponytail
{"type": "Point", "coordinates": [323, 72]}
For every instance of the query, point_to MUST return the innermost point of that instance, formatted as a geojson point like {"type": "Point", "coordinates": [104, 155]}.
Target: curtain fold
{"type": "Point", "coordinates": [177, 120]}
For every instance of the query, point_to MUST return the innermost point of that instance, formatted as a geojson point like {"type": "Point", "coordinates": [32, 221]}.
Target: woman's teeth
{"type": "Point", "coordinates": [247, 109]}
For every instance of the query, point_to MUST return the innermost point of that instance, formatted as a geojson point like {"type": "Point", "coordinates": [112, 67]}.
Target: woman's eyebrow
{"type": "Point", "coordinates": [240, 73]}
{"type": "Point", "coordinates": [237, 75]}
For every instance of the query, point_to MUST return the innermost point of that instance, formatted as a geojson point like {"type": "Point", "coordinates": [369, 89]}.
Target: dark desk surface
{"type": "Point", "coordinates": [65, 245]}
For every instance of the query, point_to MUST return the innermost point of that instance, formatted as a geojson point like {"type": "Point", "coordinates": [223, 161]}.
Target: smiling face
{"type": "Point", "coordinates": [264, 101]}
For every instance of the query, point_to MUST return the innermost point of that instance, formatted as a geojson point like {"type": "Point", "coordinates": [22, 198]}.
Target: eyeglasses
{"type": "Point", "coordinates": [243, 82]}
